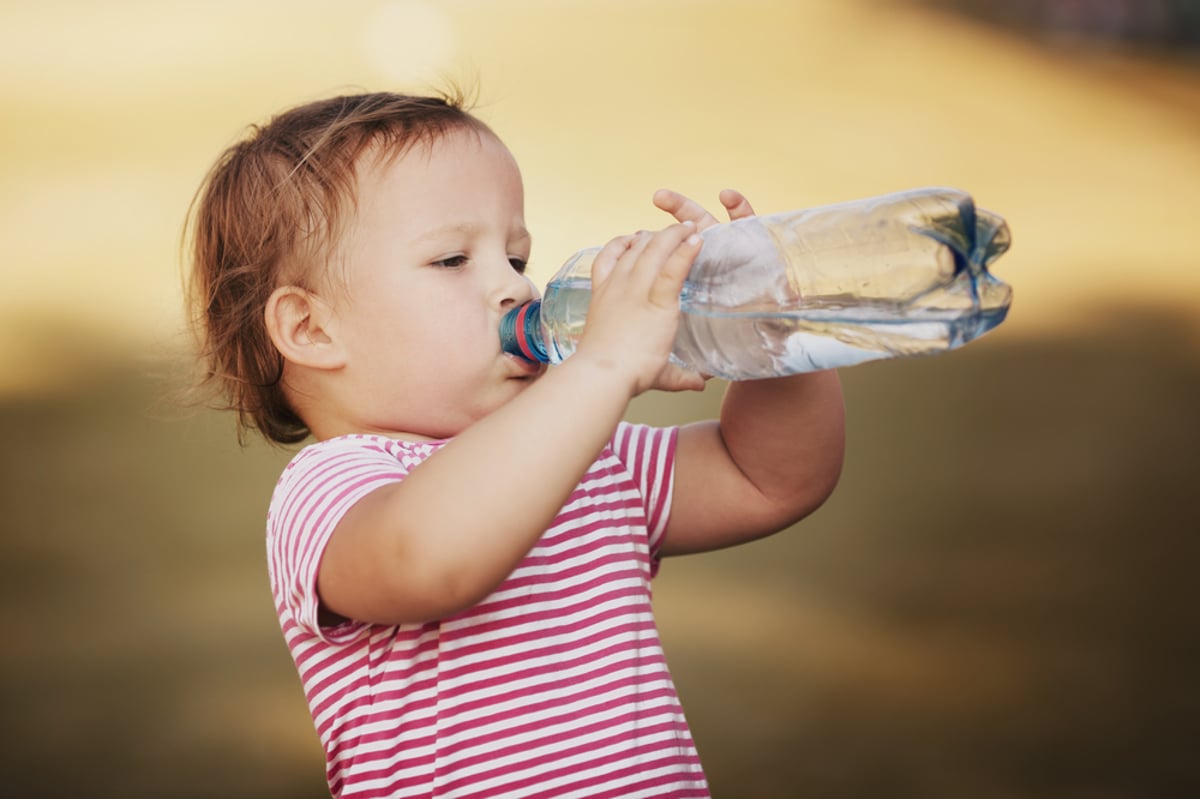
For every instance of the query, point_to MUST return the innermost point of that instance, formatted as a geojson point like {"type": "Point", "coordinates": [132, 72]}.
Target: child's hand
{"type": "Point", "coordinates": [651, 255]}
{"type": "Point", "coordinates": [687, 209]}
{"type": "Point", "coordinates": [634, 312]}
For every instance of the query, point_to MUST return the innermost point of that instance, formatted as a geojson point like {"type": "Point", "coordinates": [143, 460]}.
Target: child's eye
{"type": "Point", "coordinates": [518, 264]}
{"type": "Point", "coordinates": [452, 262]}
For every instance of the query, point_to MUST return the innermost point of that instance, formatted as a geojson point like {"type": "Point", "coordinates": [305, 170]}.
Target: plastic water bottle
{"type": "Point", "coordinates": [821, 288]}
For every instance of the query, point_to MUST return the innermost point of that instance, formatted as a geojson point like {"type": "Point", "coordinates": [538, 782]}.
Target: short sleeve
{"type": "Point", "coordinates": [649, 455]}
{"type": "Point", "coordinates": [311, 497]}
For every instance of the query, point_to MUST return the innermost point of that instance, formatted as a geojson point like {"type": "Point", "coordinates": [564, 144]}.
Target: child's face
{"type": "Point", "coordinates": [433, 259]}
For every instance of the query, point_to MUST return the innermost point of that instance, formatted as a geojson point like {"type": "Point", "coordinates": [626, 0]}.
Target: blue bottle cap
{"type": "Point", "coordinates": [520, 332]}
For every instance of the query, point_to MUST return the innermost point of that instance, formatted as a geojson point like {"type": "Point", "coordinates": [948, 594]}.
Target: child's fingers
{"type": "Point", "coordinates": [736, 204]}
{"type": "Point", "coordinates": [683, 208]}
{"type": "Point", "coordinates": [677, 378]}
{"type": "Point", "coordinates": [632, 256]}
{"type": "Point", "coordinates": [652, 251]}
{"type": "Point", "coordinates": [651, 259]}
{"type": "Point", "coordinates": [606, 259]}
{"type": "Point", "coordinates": [681, 245]}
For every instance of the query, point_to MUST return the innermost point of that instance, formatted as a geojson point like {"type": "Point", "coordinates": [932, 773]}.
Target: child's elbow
{"type": "Point", "coordinates": [825, 484]}
{"type": "Point", "coordinates": [813, 491]}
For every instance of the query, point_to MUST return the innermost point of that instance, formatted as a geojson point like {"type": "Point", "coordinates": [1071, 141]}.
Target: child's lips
{"type": "Point", "coordinates": [523, 367]}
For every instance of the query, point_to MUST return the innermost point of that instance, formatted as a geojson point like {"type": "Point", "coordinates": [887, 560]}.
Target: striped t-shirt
{"type": "Point", "coordinates": [555, 685]}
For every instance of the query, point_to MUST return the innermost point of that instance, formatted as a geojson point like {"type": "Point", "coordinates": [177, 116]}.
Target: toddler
{"type": "Point", "coordinates": [461, 562]}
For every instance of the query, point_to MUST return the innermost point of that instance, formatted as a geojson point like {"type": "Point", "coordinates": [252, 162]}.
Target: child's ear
{"type": "Point", "coordinates": [301, 325]}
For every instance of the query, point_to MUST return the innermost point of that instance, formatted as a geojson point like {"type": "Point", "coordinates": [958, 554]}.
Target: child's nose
{"type": "Point", "coordinates": [515, 288]}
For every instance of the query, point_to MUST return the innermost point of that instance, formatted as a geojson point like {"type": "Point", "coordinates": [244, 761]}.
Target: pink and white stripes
{"type": "Point", "coordinates": [554, 686]}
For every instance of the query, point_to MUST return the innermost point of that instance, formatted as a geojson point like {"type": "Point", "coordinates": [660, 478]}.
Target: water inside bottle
{"type": "Point", "coordinates": [564, 330]}
{"type": "Point", "coordinates": [749, 343]}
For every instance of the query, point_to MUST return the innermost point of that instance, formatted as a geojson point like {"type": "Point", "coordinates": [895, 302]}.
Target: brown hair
{"type": "Point", "coordinates": [267, 213]}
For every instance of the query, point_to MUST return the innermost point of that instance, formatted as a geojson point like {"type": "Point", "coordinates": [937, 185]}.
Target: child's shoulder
{"type": "Point", "coordinates": [361, 450]}
{"type": "Point", "coordinates": [367, 443]}
{"type": "Point", "coordinates": [339, 469]}
{"type": "Point", "coordinates": [630, 443]}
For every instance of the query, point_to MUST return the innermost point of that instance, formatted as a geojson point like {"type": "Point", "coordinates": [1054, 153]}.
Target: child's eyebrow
{"type": "Point", "coordinates": [519, 235]}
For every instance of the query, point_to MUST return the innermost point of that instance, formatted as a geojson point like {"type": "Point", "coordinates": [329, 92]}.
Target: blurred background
{"type": "Point", "coordinates": [997, 602]}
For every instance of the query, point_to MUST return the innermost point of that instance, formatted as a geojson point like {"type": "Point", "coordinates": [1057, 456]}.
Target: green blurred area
{"type": "Point", "coordinates": [997, 601]}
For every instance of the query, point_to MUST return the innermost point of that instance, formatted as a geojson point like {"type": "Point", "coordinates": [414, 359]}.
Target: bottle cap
{"type": "Point", "coordinates": [520, 333]}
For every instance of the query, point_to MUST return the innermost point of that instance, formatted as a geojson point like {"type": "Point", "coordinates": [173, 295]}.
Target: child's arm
{"type": "Point", "coordinates": [443, 538]}
{"type": "Point", "coordinates": [774, 456]}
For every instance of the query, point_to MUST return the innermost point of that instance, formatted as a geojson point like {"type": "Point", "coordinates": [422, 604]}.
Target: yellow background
{"type": "Point", "coordinates": [113, 112]}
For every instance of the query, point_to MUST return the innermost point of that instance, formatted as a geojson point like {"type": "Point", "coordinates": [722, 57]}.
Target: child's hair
{"type": "Point", "coordinates": [269, 213]}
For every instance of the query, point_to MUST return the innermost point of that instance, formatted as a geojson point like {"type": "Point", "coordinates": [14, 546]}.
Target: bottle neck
{"type": "Point", "coordinates": [521, 333]}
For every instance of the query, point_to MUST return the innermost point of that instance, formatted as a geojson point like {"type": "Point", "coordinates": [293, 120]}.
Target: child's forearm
{"type": "Point", "coordinates": [500, 483]}
{"type": "Point", "coordinates": [450, 532]}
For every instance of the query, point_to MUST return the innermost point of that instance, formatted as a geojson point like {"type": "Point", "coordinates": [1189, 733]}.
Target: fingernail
{"type": "Point", "coordinates": [689, 223]}
{"type": "Point", "coordinates": [693, 239]}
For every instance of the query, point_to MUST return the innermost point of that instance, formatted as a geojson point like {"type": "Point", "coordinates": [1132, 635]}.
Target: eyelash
{"type": "Point", "coordinates": [455, 261]}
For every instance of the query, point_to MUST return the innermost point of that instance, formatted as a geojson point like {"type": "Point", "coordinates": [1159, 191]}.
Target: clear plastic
{"type": "Point", "coordinates": [822, 288]}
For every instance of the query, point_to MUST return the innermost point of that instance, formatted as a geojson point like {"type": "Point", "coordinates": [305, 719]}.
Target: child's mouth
{"type": "Point", "coordinates": [524, 368]}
